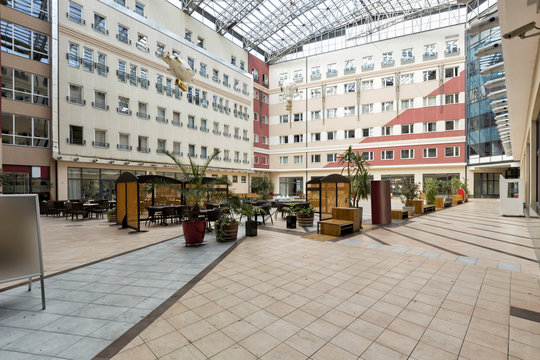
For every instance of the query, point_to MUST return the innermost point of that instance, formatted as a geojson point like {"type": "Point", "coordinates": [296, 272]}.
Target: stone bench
{"type": "Point", "coordinates": [335, 227]}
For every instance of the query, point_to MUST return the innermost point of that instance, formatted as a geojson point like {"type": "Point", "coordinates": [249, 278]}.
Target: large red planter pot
{"type": "Point", "coordinates": [194, 231]}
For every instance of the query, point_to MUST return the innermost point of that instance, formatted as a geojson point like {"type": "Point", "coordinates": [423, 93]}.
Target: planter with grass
{"type": "Point", "coordinates": [305, 216]}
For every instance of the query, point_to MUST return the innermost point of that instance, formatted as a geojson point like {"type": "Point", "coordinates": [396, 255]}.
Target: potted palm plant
{"type": "Point", "coordinates": [291, 217]}
{"type": "Point", "coordinates": [305, 216]}
{"type": "Point", "coordinates": [194, 192]}
{"type": "Point", "coordinates": [250, 212]}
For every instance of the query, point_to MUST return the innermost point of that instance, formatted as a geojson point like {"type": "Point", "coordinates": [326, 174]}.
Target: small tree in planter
{"type": "Point", "coordinates": [262, 186]}
{"type": "Point", "coordinates": [250, 211]}
{"type": "Point", "coordinates": [111, 215]}
{"type": "Point", "coordinates": [357, 172]}
{"type": "Point", "coordinates": [409, 192]}
{"type": "Point", "coordinates": [305, 215]}
{"type": "Point", "coordinates": [195, 195]}
{"type": "Point", "coordinates": [430, 191]}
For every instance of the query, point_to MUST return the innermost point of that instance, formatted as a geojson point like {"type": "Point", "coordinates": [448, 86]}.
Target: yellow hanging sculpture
{"type": "Point", "coordinates": [179, 69]}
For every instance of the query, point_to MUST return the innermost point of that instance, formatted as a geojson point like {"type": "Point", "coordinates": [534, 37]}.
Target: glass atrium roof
{"type": "Point", "coordinates": [276, 28]}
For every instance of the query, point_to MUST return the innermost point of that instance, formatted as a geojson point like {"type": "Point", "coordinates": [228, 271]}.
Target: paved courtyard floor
{"type": "Point", "coordinates": [460, 283]}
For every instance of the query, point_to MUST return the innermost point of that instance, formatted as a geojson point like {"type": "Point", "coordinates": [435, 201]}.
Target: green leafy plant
{"type": "Point", "coordinates": [356, 168]}
{"type": "Point", "coordinates": [409, 191]}
{"type": "Point", "coordinates": [262, 186]}
{"type": "Point", "coordinates": [303, 210]}
{"type": "Point", "coordinates": [430, 191]}
{"type": "Point", "coordinates": [464, 186]}
{"type": "Point", "coordinates": [195, 190]}
{"type": "Point", "coordinates": [111, 213]}
{"type": "Point", "coordinates": [444, 187]}
{"type": "Point", "coordinates": [456, 184]}
{"type": "Point", "coordinates": [249, 211]}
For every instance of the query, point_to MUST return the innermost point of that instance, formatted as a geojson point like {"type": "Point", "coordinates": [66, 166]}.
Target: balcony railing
{"type": "Point", "coordinates": [367, 67]}
{"type": "Point", "coordinates": [192, 126]}
{"type": "Point", "coordinates": [451, 52]}
{"type": "Point", "coordinates": [143, 48]}
{"type": "Point", "coordinates": [144, 83]}
{"type": "Point", "coordinates": [227, 159]}
{"type": "Point", "coordinates": [331, 73]}
{"type": "Point", "coordinates": [76, 18]}
{"type": "Point", "coordinates": [159, 88]}
{"type": "Point", "coordinates": [298, 79]}
{"type": "Point", "coordinates": [192, 156]}
{"type": "Point", "coordinates": [177, 123]}
{"type": "Point", "coordinates": [315, 76]}
{"type": "Point", "coordinates": [161, 119]}
{"type": "Point", "coordinates": [122, 75]}
{"type": "Point", "coordinates": [350, 70]}
{"type": "Point", "coordinates": [245, 161]}
{"type": "Point", "coordinates": [237, 160]}
{"type": "Point", "coordinates": [102, 69]}
{"type": "Point", "coordinates": [407, 60]}
{"type": "Point", "coordinates": [216, 79]}
{"type": "Point", "coordinates": [124, 147]}
{"type": "Point", "coordinates": [75, 141]}
{"type": "Point", "coordinates": [100, 29]}
{"type": "Point", "coordinates": [123, 111]}
{"type": "Point", "coordinates": [177, 93]}
{"type": "Point", "coordinates": [75, 100]}
{"type": "Point", "coordinates": [177, 153]}
{"type": "Point", "coordinates": [204, 103]}
{"type": "Point", "coordinates": [100, 144]}
{"type": "Point", "coordinates": [226, 134]}
{"type": "Point", "coordinates": [430, 56]}
{"type": "Point", "coordinates": [204, 129]}
{"type": "Point", "coordinates": [143, 115]}
{"type": "Point", "coordinates": [143, 149]}
{"type": "Point", "coordinates": [237, 136]}
{"type": "Point", "coordinates": [203, 73]}
{"type": "Point", "coordinates": [160, 151]}
{"type": "Point", "coordinates": [217, 132]}
{"type": "Point", "coordinates": [123, 38]}
{"type": "Point", "coordinates": [204, 156]}
{"type": "Point", "coordinates": [100, 106]}
{"type": "Point", "coordinates": [387, 63]}
{"type": "Point", "coordinates": [245, 138]}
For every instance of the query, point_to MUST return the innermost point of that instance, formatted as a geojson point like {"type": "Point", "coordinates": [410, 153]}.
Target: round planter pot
{"type": "Point", "coordinates": [291, 221]}
{"type": "Point", "coordinates": [194, 231]}
{"type": "Point", "coordinates": [251, 228]}
{"type": "Point", "coordinates": [305, 220]}
{"type": "Point", "coordinates": [227, 232]}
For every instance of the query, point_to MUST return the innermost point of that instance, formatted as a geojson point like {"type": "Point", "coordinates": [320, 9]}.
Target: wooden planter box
{"type": "Point", "coordinates": [439, 202]}
{"type": "Point", "coordinates": [455, 199]}
{"type": "Point", "coordinates": [353, 214]}
{"type": "Point", "coordinates": [418, 206]}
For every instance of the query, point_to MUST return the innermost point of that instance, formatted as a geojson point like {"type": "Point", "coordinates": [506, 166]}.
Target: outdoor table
{"type": "Point", "coordinates": [159, 209]}
{"type": "Point", "coordinates": [87, 208]}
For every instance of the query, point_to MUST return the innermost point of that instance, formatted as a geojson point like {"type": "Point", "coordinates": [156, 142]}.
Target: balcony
{"type": "Point", "coordinates": [159, 88]}
{"type": "Point", "coordinates": [75, 100]}
{"type": "Point", "coordinates": [122, 76]}
{"type": "Point", "coordinates": [227, 159]}
{"type": "Point", "coordinates": [226, 83]}
{"type": "Point", "coordinates": [73, 60]}
{"type": "Point", "coordinates": [227, 110]}
{"type": "Point", "coordinates": [100, 106]}
{"type": "Point", "coordinates": [204, 129]}
{"type": "Point", "coordinates": [237, 136]}
{"type": "Point", "coordinates": [331, 73]}
{"type": "Point", "coordinates": [191, 155]}
{"type": "Point", "coordinates": [350, 70]}
{"type": "Point", "coordinates": [124, 147]}
{"type": "Point", "coordinates": [216, 79]}
{"type": "Point", "coordinates": [237, 161]}
{"type": "Point", "coordinates": [177, 123]}
{"type": "Point", "coordinates": [368, 67]}
{"type": "Point", "coordinates": [177, 93]}
{"type": "Point", "coordinates": [216, 132]}
{"type": "Point", "coordinates": [144, 83]}
{"type": "Point", "coordinates": [204, 103]}
{"type": "Point", "coordinates": [143, 149]}
{"type": "Point", "coordinates": [100, 29]}
{"type": "Point", "coordinates": [246, 116]}
{"type": "Point", "coordinates": [407, 60]}
{"type": "Point", "coordinates": [76, 18]}
{"type": "Point", "coordinates": [387, 63]}
{"type": "Point", "coordinates": [315, 76]}
{"type": "Point", "coordinates": [102, 145]}
{"type": "Point", "coordinates": [75, 141]}
{"type": "Point", "coordinates": [204, 156]}
{"type": "Point", "coordinates": [161, 119]}
{"type": "Point", "coordinates": [168, 91]}
{"type": "Point", "coordinates": [451, 52]}
{"type": "Point", "coordinates": [245, 92]}
{"type": "Point", "coordinates": [143, 48]}
{"type": "Point", "coordinates": [265, 81]}
{"type": "Point", "coordinates": [203, 73]}
{"type": "Point", "coordinates": [101, 69]}
{"type": "Point", "coordinates": [218, 158]}
{"type": "Point", "coordinates": [143, 115]}
{"type": "Point", "coordinates": [192, 126]}
{"type": "Point", "coordinates": [159, 53]}
{"type": "Point", "coordinates": [178, 153]}
{"type": "Point", "coordinates": [245, 138]}
{"type": "Point", "coordinates": [226, 134]}
{"type": "Point", "coordinates": [298, 79]}
{"type": "Point", "coordinates": [430, 56]}
{"type": "Point", "coordinates": [88, 65]}
{"type": "Point", "coordinates": [123, 38]}
{"type": "Point", "coordinates": [245, 161]}
{"type": "Point", "coordinates": [160, 151]}
{"type": "Point", "coordinates": [123, 111]}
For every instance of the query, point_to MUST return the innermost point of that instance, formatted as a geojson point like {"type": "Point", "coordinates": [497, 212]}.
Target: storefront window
{"type": "Point", "coordinates": [291, 186]}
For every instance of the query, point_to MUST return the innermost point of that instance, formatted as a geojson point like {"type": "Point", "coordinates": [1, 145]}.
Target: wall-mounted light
{"type": "Point", "coordinates": [94, 160]}
{"type": "Point", "coordinates": [126, 162]}
{"type": "Point", "coordinates": [58, 158]}
{"type": "Point", "coordinates": [141, 164]}
{"type": "Point", "coordinates": [76, 159]}
{"type": "Point", "coordinates": [111, 161]}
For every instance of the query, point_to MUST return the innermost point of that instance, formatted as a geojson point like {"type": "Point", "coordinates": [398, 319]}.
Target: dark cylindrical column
{"type": "Point", "coordinates": [381, 209]}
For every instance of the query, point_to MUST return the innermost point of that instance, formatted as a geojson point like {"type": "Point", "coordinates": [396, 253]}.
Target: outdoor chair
{"type": "Point", "coordinates": [184, 212]}
{"type": "Point", "coordinates": [69, 209]}
{"type": "Point", "coordinates": [169, 212]}
{"type": "Point", "coordinates": [51, 208]}
{"type": "Point", "coordinates": [283, 209]}
{"type": "Point", "coordinates": [267, 208]}
{"type": "Point", "coordinates": [212, 216]}
{"type": "Point", "coordinates": [78, 209]}
{"type": "Point", "coordinates": [101, 209]}
{"type": "Point", "coordinates": [151, 217]}
{"type": "Point", "coordinates": [60, 206]}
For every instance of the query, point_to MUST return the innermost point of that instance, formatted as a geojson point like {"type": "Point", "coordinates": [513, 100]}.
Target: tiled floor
{"type": "Point", "coordinates": [283, 296]}
{"type": "Point", "coordinates": [88, 308]}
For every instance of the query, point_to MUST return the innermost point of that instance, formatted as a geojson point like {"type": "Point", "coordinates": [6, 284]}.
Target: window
{"type": "Point", "coordinates": [100, 138]}
{"type": "Point", "coordinates": [387, 155]}
{"type": "Point", "coordinates": [315, 72]}
{"type": "Point", "coordinates": [316, 158]}
{"type": "Point", "coordinates": [451, 72]}
{"type": "Point", "coordinates": [367, 63]}
{"type": "Point", "coordinates": [22, 86]}
{"type": "Point", "coordinates": [100, 101]}
{"type": "Point", "coordinates": [316, 136]}
{"type": "Point", "coordinates": [284, 139]}
{"type": "Point", "coordinates": [298, 159]}
{"type": "Point", "coordinates": [123, 34]}
{"type": "Point", "coordinates": [387, 130]}
{"type": "Point", "coordinates": [316, 115]}
{"type": "Point", "coordinates": [367, 85]}
{"type": "Point", "coordinates": [161, 145]}
{"type": "Point", "coordinates": [298, 138]}
{"type": "Point", "coordinates": [429, 51]}
{"type": "Point", "coordinates": [349, 134]}
{"type": "Point", "coordinates": [406, 54]}
{"type": "Point", "coordinates": [331, 113]}
{"type": "Point", "coordinates": [120, 2]}
{"type": "Point", "coordinates": [452, 151]}
{"type": "Point", "coordinates": [191, 122]}
{"type": "Point", "coordinates": [430, 127]}
{"type": "Point", "coordinates": [350, 87]}
{"type": "Point", "coordinates": [25, 130]}
{"type": "Point", "coordinates": [387, 106]}
{"type": "Point", "coordinates": [429, 152]}
{"type": "Point", "coordinates": [430, 75]}
{"type": "Point", "coordinates": [76, 94]}
{"type": "Point", "coordinates": [406, 79]}
{"type": "Point", "coordinates": [349, 66]}
{"type": "Point", "coordinates": [407, 129]}
{"type": "Point", "coordinates": [177, 148]}
{"type": "Point", "coordinates": [88, 60]}
{"type": "Point", "coordinates": [191, 63]}
{"type": "Point", "coordinates": [75, 13]}
{"type": "Point", "coordinates": [159, 85]}
{"type": "Point", "coordinates": [233, 60]}
{"type": "Point", "coordinates": [450, 125]}
{"type": "Point", "coordinates": [430, 101]}
{"type": "Point", "coordinates": [315, 93]}
{"type": "Point", "coordinates": [407, 153]}
{"type": "Point", "coordinates": [100, 24]}
{"type": "Point", "coordinates": [367, 108]}
{"type": "Point", "coordinates": [388, 81]}
{"type": "Point", "coordinates": [265, 82]}
{"type": "Point", "coordinates": [265, 98]}
{"type": "Point", "coordinates": [451, 47]}
{"type": "Point", "coordinates": [101, 66]}
{"type": "Point", "coordinates": [265, 160]}
{"type": "Point", "coordinates": [226, 155]}
{"type": "Point", "coordinates": [187, 35]}
{"type": "Point", "coordinates": [202, 70]}
{"type": "Point", "coordinates": [73, 55]}
{"type": "Point", "coordinates": [387, 58]}
{"type": "Point", "coordinates": [121, 72]}
{"type": "Point", "coordinates": [24, 42]}
{"type": "Point", "coordinates": [35, 8]}
{"type": "Point", "coordinates": [283, 160]}
{"type": "Point", "coordinates": [265, 140]}
{"type": "Point", "coordinates": [143, 110]}
{"type": "Point", "coordinates": [367, 155]}
{"type": "Point", "coordinates": [331, 135]}
{"type": "Point", "coordinates": [331, 90]}
{"type": "Point", "coordinates": [191, 150]}
{"type": "Point", "coordinates": [367, 132]}
{"type": "Point", "coordinates": [76, 135]}
{"type": "Point", "coordinates": [204, 152]}
{"type": "Point", "coordinates": [331, 157]}
{"type": "Point", "coordinates": [161, 115]}
{"type": "Point", "coordinates": [407, 104]}
{"type": "Point", "coordinates": [298, 117]}
{"type": "Point", "coordinates": [139, 8]}
{"type": "Point", "coordinates": [243, 178]}
{"type": "Point", "coordinates": [142, 43]}
{"type": "Point", "coordinates": [451, 99]}
{"type": "Point", "coordinates": [133, 75]}
{"type": "Point", "coordinates": [123, 105]}
{"type": "Point", "coordinates": [160, 50]}
{"type": "Point", "coordinates": [283, 119]}
{"type": "Point", "coordinates": [331, 69]}
{"type": "Point", "coordinates": [264, 119]}
{"type": "Point", "coordinates": [255, 138]}
{"type": "Point", "coordinates": [297, 76]}
{"type": "Point", "coordinates": [349, 111]}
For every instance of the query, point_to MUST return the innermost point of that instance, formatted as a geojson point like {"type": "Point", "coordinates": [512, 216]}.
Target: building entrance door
{"type": "Point", "coordinates": [107, 190]}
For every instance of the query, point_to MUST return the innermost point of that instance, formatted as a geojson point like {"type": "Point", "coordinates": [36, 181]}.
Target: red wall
{"type": "Point", "coordinates": [259, 107]}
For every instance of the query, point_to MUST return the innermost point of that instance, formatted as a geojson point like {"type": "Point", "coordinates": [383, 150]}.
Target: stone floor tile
{"type": "Point", "coordinates": [491, 341]}
{"type": "Point", "coordinates": [280, 309]}
{"type": "Point", "coordinates": [305, 342]}
{"type": "Point", "coordinates": [442, 341]}
{"type": "Point", "coordinates": [111, 330]}
{"type": "Point", "coordinates": [448, 327]}
{"type": "Point", "coordinates": [188, 352]}
{"type": "Point", "coordinates": [139, 352]}
{"type": "Point", "coordinates": [222, 319]}
{"type": "Point", "coordinates": [43, 343]}
{"type": "Point", "coordinates": [85, 349]}
{"type": "Point", "coordinates": [21, 356]}
{"type": "Point", "coordinates": [523, 351]}
{"type": "Point", "coordinates": [380, 352]}
{"type": "Point", "coordinates": [259, 343]}
{"type": "Point", "coordinates": [197, 330]}
{"type": "Point", "coordinates": [213, 343]}
{"type": "Point", "coordinates": [239, 330]}
{"type": "Point", "coordinates": [261, 319]}
{"type": "Point", "coordinates": [424, 351]}
{"type": "Point", "coordinates": [183, 319]}
{"type": "Point", "coordinates": [474, 351]}
{"type": "Point", "coordinates": [331, 351]}
{"type": "Point", "coordinates": [96, 311]}
{"type": "Point", "coordinates": [283, 351]}
{"type": "Point", "coordinates": [299, 318]}
{"type": "Point", "coordinates": [74, 325]}
{"type": "Point", "coordinates": [158, 328]}
{"type": "Point", "coordinates": [396, 341]}
{"type": "Point", "coordinates": [377, 318]}
{"type": "Point", "coordinates": [351, 342]}
{"type": "Point", "coordinates": [235, 352]}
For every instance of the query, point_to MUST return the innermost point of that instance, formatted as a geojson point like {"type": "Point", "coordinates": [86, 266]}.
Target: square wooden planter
{"type": "Point", "coordinates": [418, 205]}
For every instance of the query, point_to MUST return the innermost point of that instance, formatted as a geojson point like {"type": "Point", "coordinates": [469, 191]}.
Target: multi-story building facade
{"type": "Point", "coordinates": [25, 153]}
{"type": "Point", "coordinates": [399, 101]}
{"type": "Point", "coordinates": [118, 108]}
{"type": "Point", "coordinates": [260, 71]}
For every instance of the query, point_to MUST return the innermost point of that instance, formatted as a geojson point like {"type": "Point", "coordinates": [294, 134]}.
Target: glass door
{"type": "Point", "coordinates": [108, 190]}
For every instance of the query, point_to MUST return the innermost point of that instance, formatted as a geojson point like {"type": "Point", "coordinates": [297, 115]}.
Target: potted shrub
{"type": "Point", "coordinates": [250, 211]}
{"type": "Point", "coordinates": [305, 216]}
{"type": "Point", "coordinates": [111, 215]}
{"type": "Point", "coordinates": [291, 217]}
{"type": "Point", "coordinates": [226, 226]}
{"type": "Point", "coordinates": [409, 193]}
{"type": "Point", "coordinates": [430, 191]}
{"type": "Point", "coordinates": [195, 194]}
